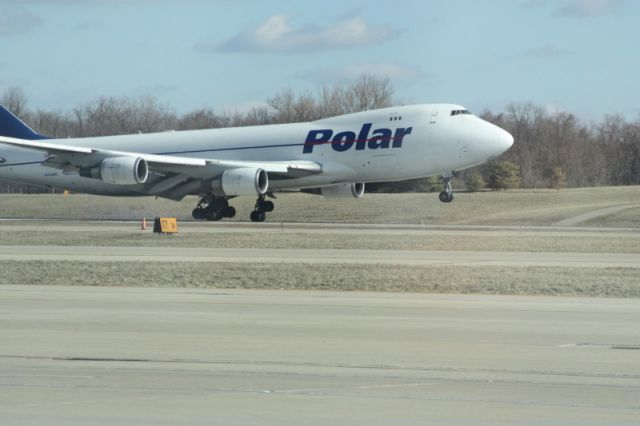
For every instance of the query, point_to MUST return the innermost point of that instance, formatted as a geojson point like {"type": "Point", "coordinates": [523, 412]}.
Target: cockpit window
{"type": "Point", "coordinates": [459, 112]}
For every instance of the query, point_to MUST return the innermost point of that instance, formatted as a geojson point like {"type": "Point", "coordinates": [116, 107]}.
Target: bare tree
{"type": "Point", "coordinates": [370, 92]}
{"type": "Point", "coordinates": [202, 119]}
{"type": "Point", "coordinates": [15, 101]}
{"type": "Point", "coordinates": [366, 93]}
{"type": "Point", "coordinates": [284, 105]}
{"type": "Point", "coordinates": [117, 116]}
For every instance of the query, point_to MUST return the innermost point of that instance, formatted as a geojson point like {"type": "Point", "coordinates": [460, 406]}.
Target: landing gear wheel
{"type": "Point", "coordinates": [446, 197]}
{"type": "Point", "coordinates": [261, 210]}
{"type": "Point", "coordinates": [214, 215]}
{"type": "Point", "coordinates": [213, 208]}
{"type": "Point", "coordinates": [198, 213]}
{"type": "Point", "coordinates": [258, 216]}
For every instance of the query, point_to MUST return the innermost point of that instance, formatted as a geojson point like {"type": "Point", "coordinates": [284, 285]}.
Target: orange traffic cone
{"type": "Point", "coordinates": [144, 224]}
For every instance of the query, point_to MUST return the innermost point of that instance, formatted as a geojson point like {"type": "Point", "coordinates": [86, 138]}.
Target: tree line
{"type": "Point", "coordinates": [551, 149]}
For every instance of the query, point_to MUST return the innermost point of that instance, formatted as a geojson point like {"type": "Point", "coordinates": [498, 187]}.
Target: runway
{"type": "Point", "coordinates": [84, 226]}
{"type": "Point", "coordinates": [136, 356]}
{"type": "Point", "coordinates": [333, 256]}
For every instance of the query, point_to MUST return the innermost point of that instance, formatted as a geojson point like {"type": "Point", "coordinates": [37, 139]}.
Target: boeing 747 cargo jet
{"type": "Point", "coordinates": [333, 157]}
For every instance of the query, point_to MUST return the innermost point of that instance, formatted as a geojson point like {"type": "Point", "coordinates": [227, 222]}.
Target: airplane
{"type": "Point", "coordinates": [333, 157]}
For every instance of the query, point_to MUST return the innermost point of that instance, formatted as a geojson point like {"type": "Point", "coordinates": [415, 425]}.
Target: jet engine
{"type": "Point", "coordinates": [241, 181]}
{"type": "Point", "coordinates": [119, 171]}
{"type": "Point", "coordinates": [345, 190]}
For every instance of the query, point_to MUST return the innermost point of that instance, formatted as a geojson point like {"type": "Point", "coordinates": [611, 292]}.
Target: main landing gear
{"type": "Point", "coordinates": [446, 196]}
{"type": "Point", "coordinates": [259, 214]}
{"type": "Point", "coordinates": [213, 208]}
{"type": "Point", "coordinates": [217, 208]}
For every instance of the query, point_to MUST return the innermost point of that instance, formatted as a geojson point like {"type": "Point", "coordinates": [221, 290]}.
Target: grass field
{"type": "Point", "coordinates": [590, 282]}
{"type": "Point", "coordinates": [516, 207]}
{"type": "Point", "coordinates": [347, 239]}
{"type": "Point", "coordinates": [497, 217]}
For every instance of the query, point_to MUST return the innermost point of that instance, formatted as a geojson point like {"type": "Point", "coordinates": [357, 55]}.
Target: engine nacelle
{"type": "Point", "coordinates": [345, 190]}
{"type": "Point", "coordinates": [242, 181]}
{"type": "Point", "coordinates": [119, 171]}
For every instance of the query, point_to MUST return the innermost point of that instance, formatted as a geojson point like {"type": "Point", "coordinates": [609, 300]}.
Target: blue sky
{"type": "Point", "coordinates": [579, 56]}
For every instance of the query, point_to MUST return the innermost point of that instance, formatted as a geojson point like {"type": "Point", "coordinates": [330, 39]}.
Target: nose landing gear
{"type": "Point", "coordinates": [446, 196]}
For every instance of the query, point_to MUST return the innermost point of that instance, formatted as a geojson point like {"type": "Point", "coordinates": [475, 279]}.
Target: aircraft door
{"type": "Point", "coordinates": [434, 117]}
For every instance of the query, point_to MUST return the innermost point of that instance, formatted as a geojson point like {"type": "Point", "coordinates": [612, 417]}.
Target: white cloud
{"type": "Point", "coordinates": [589, 8]}
{"type": "Point", "coordinates": [277, 35]}
{"type": "Point", "coordinates": [395, 72]}
{"type": "Point", "coordinates": [16, 20]}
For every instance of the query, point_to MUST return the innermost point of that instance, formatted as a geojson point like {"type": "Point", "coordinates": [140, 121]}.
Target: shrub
{"type": "Point", "coordinates": [502, 175]}
{"type": "Point", "coordinates": [474, 181]}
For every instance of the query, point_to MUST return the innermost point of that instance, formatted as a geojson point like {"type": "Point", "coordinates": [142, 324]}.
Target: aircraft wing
{"type": "Point", "coordinates": [169, 176]}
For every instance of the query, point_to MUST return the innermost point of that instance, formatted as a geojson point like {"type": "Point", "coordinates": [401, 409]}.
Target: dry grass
{"type": "Point", "coordinates": [604, 282]}
{"type": "Point", "coordinates": [518, 207]}
{"type": "Point", "coordinates": [629, 218]}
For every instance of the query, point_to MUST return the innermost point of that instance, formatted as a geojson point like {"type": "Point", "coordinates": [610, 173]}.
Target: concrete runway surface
{"type": "Point", "coordinates": [332, 256]}
{"type": "Point", "coordinates": [48, 225]}
{"type": "Point", "coordinates": [136, 356]}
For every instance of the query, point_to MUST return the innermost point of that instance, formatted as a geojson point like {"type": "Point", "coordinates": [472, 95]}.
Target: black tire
{"type": "Point", "coordinates": [446, 197]}
{"type": "Point", "coordinates": [229, 212]}
{"type": "Point", "coordinates": [267, 206]}
{"type": "Point", "coordinates": [214, 215]}
{"type": "Point", "coordinates": [198, 213]}
{"type": "Point", "coordinates": [258, 216]}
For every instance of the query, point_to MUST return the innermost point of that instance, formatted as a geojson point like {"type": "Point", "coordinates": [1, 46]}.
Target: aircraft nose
{"type": "Point", "coordinates": [484, 141]}
{"type": "Point", "coordinates": [505, 140]}
{"type": "Point", "coordinates": [497, 139]}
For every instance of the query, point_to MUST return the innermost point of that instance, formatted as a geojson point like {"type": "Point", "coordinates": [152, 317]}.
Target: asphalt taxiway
{"type": "Point", "coordinates": [135, 356]}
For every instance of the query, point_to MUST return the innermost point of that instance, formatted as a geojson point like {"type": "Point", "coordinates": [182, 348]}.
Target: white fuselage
{"type": "Point", "coordinates": [424, 140]}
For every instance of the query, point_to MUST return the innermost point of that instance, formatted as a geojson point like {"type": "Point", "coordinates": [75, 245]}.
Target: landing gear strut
{"type": "Point", "coordinates": [446, 196]}
{"type": "Point", "coordinates": [213, 208]}
{"type": "Point", "coordinates": [259, 214]}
